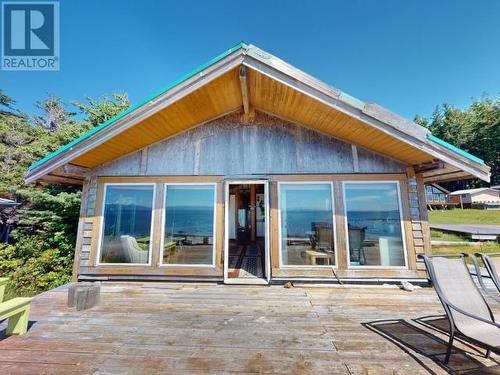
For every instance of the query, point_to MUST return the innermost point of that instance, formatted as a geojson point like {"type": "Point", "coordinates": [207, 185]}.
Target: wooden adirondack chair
{"type": "Point", "coordinates": [17, 310]}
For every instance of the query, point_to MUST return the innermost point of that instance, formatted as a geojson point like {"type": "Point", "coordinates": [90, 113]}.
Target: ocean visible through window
{"type": "Point", "coordinates": [374, 224]}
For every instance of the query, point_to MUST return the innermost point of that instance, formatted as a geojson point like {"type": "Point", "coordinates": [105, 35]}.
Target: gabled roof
{"type": "Point", "coordinates": [440, 188]}
{"type": "Point", "coordinates": [473, 191]}
{"type": "Point", "coordinates": [245, 77]}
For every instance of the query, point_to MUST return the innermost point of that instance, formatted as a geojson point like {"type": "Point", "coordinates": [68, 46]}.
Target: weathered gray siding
{"type": "Point", "coordinates": [86, 234]}
{"type": "Point", "coordinates": [267, 145]}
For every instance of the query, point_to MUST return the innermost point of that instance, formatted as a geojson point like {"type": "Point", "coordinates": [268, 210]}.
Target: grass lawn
{"type": "Point", "coordinates": [486, 247]}
{"type": "Point", "coordinates": [458, 216]}
{"type": "Point", "coordinates": [437, 235]}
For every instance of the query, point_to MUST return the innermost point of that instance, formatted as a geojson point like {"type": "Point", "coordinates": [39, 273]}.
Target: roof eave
{"type": "Point", "coordinates": [137, 113]}
{"type": "Point", "coordinates": [374, 115]}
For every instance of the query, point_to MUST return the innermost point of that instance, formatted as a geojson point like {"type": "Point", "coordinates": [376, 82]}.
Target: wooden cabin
{"type": "Point", "coordinates": [438, 198]}
{"type": "Point", "coordinates": [248, 170]}
{"type": "Point", "coordinates": [477, 198]}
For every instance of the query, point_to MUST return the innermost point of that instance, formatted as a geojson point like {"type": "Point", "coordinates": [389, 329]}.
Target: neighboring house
{"type": "Point", "coordinates": [248, 170]}
{"type": "Point", "coordinates": [438, 197]}
{"type": "Point", "coordinates": [481, 198]}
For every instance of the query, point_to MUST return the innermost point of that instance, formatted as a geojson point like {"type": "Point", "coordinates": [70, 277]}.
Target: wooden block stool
{"type": "Point", "coordinates": [84, 295]}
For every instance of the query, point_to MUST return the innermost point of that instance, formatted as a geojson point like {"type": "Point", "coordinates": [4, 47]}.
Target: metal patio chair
{"type": "Point", "coordinates": [478, 272]}
{"type": "Point", "coordinates": [466, 309]}
{"type": "Point", "coordinates": [492, 264]}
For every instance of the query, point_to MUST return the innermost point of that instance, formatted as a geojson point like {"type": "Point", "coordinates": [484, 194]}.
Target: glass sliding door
{"type": "Point", "coordinates": [306, 224]}
{"type": "Point", "coordinates": [189, 229]}
{"type": "Point", "coordinates": [127, 223]}
{"type": "Point", "coordinates": [374, 224]}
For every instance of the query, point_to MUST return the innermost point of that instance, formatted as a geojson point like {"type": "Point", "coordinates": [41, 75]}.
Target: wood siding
{"type": "Point", "coordinates": [415, 224]}
{"type": "Point", "coordinates": [267, 145]}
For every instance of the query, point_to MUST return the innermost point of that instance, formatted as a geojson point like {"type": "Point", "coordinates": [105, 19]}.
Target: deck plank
{"type": "Point", "coordinates": [173, 328]}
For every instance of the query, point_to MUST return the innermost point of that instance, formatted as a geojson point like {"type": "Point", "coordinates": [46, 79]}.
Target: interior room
{"type": "Point", "coordinates": [246, 231]}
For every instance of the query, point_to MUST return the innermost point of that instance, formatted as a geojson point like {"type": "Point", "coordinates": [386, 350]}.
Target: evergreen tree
{"type": "Point", "coordinates": [40, 255]}
{"type": "Point", "coordinates": [475, 129]}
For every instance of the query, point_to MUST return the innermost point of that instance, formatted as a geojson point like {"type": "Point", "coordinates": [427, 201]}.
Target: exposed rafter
{"type": "Point", "coordinates": [61, 180]}
{"type": "Point", "coordinates": [248, 110]}
{"type": "Point", "coordinates": [450, 176]}
{"type": "Point", "coordinates": [74, 170]}
{"type": "Point", "coordinates": [424, 167]}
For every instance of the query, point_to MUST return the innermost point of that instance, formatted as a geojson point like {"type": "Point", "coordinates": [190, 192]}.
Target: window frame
{"type": "Point", "coordinates": [334, 228]}
{"type": "Point", "coordinates": [162, 226]}
{"type": "Point", "coordinates": [102, 223]}
{"type": "Point", "coordinates": [401, 222]}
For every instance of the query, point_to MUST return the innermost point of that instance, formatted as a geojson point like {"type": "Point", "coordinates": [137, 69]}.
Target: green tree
{"type": "Point", "coordinates": [7, 105]}
{"type": "Point", "coordinates": [41, 257]}
{"type": "Point", "coordinates": [41, 254]}
{"type": "Point", "coordinates": [98, 111]}
{"type": "Point", "coordinates": [54, 114]}
{"type": "Point", "coordinates": [475, 129]}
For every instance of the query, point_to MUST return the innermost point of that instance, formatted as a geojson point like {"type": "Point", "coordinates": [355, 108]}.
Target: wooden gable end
{"type": "Point", "coordinates": [232, 146]}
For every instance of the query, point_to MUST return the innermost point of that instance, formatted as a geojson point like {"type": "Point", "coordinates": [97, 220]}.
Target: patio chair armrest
{"type": "Point", "coordinates": [479, 274]}
{"type": "Point", "coordinates": [459, 310]}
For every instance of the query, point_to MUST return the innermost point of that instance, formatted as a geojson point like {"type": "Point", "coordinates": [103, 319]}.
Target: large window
{"type": "Point", "coordinates": [374, 224]}
{"type": "Point", "coordinates": [189, 225]}
{"type": "Point", "coordinates": [307, 235]}
{"type": "Point", "coordinates": [126, 233]}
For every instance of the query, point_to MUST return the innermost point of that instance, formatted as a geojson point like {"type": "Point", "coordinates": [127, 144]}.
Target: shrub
{"type": "Point", "coordinates": [41, 256]}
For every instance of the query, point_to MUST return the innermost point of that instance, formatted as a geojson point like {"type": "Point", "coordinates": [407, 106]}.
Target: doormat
{"type": "Point", "coordinates": [251, 268]}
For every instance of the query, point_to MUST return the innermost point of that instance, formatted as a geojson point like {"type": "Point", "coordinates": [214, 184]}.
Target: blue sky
{"type": "Point", "coordinates": [406, 55]}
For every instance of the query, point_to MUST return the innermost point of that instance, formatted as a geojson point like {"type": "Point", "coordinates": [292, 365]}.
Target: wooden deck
{"type": "Point", "coordinates": [167, 328]}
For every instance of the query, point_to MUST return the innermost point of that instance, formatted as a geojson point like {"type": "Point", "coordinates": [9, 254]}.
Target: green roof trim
{"type": "Point", "coordinates": [351, 100]}
{"type": "Point", "coordinates": [449, 146]}
{"type": "Point", "coordinates": [241, 45]}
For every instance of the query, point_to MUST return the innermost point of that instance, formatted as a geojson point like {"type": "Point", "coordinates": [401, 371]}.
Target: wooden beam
{"type": "Point", "coordinates": [75, 170]}
{"type": "Point", "coordinates": [248, 111]}
{"type": "Point", "coordinates": [244, 89]}
{"type": "Point", "coordinates": [429, 166]}
{"type": "Point", "coordinates": [355, 162]}
{"type": "Point", "coordinates": [450, 176]}
{"type": "Point", "coordinates": [144, 161]}
{"type": "Point", "coordinates": [71, 171]}
{"type": "Point", "coordinates": [63, 180]}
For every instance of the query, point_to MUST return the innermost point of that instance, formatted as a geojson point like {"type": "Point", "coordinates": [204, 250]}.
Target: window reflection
{"type": "Point", "coordinates": [374, 224]}
{"type": "Point", "coordinates": [306, 225]}
{"type": "Point", "coordinates": [189, 224]}
{"type": "Point", "coordinates": [127, 224]}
